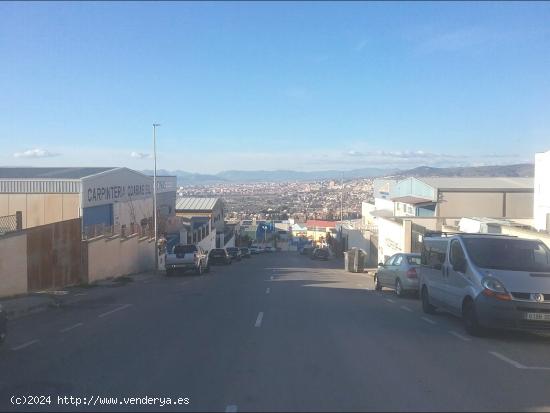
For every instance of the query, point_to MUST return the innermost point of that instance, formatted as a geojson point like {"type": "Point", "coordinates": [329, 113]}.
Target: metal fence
{"type": "Point", "coordinates": [11, 223]}
{"type": "Point", "coordinates": [143, 230]}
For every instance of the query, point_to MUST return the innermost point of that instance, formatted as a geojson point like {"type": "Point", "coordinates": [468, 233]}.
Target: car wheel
{"type": "Point", "coordinates": [426, 306]}
{"type": "Point", "coordinates": [469, 316]}
{"type": "Point", "coordinates": [399, 288]}
{"type": "Point", "coordinates": [377, 285]}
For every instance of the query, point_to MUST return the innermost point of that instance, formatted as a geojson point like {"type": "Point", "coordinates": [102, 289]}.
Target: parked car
{"type": "Point", "coordinates": [245, 252]}
{"type": "Point", "coordinates": [254, 250]}
{"type": "Point", "coordinates": [269, 249]}
{"type": "Point", "coordinates": [491, 281]}
{"type": "Point", "coordinates": [399, 272]}
{"type": "Point", "coordinates": [3, 324]}
{"type": "Point", "coordinates": [186, 257]}
{"type": "Point", "coordinates": [219, 256]}
{"type": "Point", "coordinates": [235, 253]}
{"type": "Point", "coordinates": [320, 254]}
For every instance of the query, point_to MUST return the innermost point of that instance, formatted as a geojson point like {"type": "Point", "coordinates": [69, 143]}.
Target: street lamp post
{"type": "Point", "coordinates": [155, 195]}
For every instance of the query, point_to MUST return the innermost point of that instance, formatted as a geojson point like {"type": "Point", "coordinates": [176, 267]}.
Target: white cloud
{"type": "Point", "coordinates": [35, 153]}
{"type": "Point", "coordinates": [140, 155]}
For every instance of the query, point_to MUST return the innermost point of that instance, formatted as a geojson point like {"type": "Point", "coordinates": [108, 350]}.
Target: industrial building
{"type": "Point", "coordinates": [542, 192]}
{"type": "Point", "coordinates": [120, 198]}
{"type": "Point", "coordinates": [494, 197]}
{"type": "Point", "coordinates": [210, 208]}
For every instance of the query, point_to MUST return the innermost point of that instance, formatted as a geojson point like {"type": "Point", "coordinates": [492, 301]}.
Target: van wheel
{"type": "Point", "coordinates": [399, 288]}
{"type": "Point", "coordinates": [377, 285]}
{"type": "Point", "coordinates": [469, 316]}
{"type": "Point", "coordinates": [426, 306]}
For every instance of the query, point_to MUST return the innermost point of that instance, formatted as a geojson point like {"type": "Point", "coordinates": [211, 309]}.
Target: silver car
{"type": "Point", "coordinates": [491, 281]}
{"type": "Point", "coordinates": [399, 272]}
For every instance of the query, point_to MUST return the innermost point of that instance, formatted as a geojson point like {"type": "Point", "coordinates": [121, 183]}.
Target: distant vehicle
{"type": "Point", "coordinates": [268, 249]}
{"type": "Point", "coordinates": [3, 324]}
{"type": "Point", "coordinates": [254, 250]}
{"type": "Point", "coordinates": [306, 250]}
{"type": "Point", "coordinates": [185, 257]}
{"type": "Point", "coordinates": [491, 281]}
{"type": "Point", "coordinates": [235, 253]}
{"type": "Point", "coordinates": [219, 256]}
{"type": "Point", "coordinates": [320, 254]}
{"type": "Point", "coordinates": [245, 252]}
{"type": "Point", "coordinates": [399, 272]}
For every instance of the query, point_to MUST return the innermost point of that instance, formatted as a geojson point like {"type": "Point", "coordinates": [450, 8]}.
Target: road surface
{"type": "Point", "coordinates": [277, 332]}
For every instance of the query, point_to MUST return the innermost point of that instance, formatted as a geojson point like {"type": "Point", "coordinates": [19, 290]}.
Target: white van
{"type": "Point", "coordinates": [491, 281]}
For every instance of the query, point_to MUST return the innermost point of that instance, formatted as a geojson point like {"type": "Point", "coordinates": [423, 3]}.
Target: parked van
{"type": "Point", "coordinates": [491, 281]}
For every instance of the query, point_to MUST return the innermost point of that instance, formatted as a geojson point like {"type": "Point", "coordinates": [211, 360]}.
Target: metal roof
{"type": "Point", "coordinates": [50, 173]}
{"type": "Point", "coordinates": [196, 204]}
{"type": "Point", "coordinates": [489, 183]}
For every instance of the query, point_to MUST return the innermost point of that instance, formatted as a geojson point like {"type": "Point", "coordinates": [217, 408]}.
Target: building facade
{"type": "Point", "coordinates": [541, 212]}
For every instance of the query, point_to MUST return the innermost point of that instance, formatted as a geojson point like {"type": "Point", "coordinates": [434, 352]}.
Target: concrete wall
{"type": "Point", "coordinates": [391, 238]}
{"type": "Point", "coordinates": [41, 209]}
{"type": "Point", "coordinates": [114, 257]}
{"type": "Point", "coordinates": [542, 191]}
{"type": "Point", "coordinates": [13, 264]}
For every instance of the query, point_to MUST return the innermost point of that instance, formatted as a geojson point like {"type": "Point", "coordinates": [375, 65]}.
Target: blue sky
{"type": "Point", "coordinates": [245, 85]}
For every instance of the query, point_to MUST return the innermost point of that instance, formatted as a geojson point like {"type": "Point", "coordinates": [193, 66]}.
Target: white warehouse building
{"type": "Point", "coordinates": [541, 200]}
{"type": "Point", "coordinates": [118, 197]}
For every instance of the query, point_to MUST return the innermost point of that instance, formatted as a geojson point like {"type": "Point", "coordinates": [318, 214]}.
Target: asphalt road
{"type": "Point", "coordinates": [277, 332]}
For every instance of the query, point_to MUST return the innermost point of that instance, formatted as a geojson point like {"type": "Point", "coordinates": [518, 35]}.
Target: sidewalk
{"type": "Point", "coordinates": [20, 306]}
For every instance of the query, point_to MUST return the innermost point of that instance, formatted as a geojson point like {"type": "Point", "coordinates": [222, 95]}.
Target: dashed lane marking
{"type": "Point", "coordinates": [459, 336]}
{"type": "Point", "coordinates": [259, 319]}
{"type": "Point", "coordinates": [24, 345]}
{"type": "Point", "coordinates": [64, 330]}
{"type": "Point", "coordinates": [428, 320]}
{"type": "Point", "coordinates": [389, 300]}
{"type": "Point", "coordinates": [404, 307]}
{"type": "Point", "coordinates": [516, 364]}
{"type": "Point", "coordinates": [231, 408]}
{"type": "Point", "coordinates": [122, 307]}
{"type": "Point", "coordinates": [268, 290]}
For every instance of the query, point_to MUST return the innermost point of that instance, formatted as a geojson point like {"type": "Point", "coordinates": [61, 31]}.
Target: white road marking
{"type": "Point", "coordinates": [460, 336]}
{"type": "Point", "coordinates": [259, 319]}
{"type": "Point", "coordinates": [231, 408]}
{"type": "Point", "coordinates": [77, 294]}
{"type": "Point", "coordinates": [404, 307]}
{"type": "Point", "coordinates": [268, 290]}
{"type": "Point", "coordinates": [64, 330]}
{"type": "Point", "coordinates": [122, 307]}
{"type": "Point", "coordinates": [389, 300]}
{"type": "Point", "coordinates": [516, 364]}
{"type": "Point", "coordinates": [271, 278]}
{"type": "Point", "coordinates": [24, 345]}
{"type": "Point", "coordinates": [507, 360]}
{"type": "Point", "coordinates": [427, 320]}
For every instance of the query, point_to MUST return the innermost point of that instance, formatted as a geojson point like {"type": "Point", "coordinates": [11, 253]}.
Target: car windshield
{"type": "Point", "coordinates": [184, 249]}
{"type": "Point", "coordinates": [508, 254]}
{"type": "Point", "coordinates": [217, 252]}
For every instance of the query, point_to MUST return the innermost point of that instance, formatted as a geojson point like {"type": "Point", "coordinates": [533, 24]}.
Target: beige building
{"type": "Point", "coordinates": [494, 197]}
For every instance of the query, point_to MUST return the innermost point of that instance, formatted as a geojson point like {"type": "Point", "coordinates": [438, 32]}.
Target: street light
{"type": "Point", "coordinates": [155, 195]}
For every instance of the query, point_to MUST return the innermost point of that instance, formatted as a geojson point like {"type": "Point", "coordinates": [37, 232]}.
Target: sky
{"type": "Point", "coordinates": [274, 85]}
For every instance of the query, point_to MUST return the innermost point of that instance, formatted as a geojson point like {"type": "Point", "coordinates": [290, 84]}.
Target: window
{"type": "Point", "coordinates": [389, 261]}
{"type": "Point", "coordinates": [457, 253]}
{"type": "Point", "coordinates": [398, 260]}
{"type": "Point", "coordinates": [434, 253]}
{"type": "Point", "coordinates": [413, 260]}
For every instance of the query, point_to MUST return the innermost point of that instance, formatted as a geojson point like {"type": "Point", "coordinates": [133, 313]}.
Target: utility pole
{"type": "Point", "coordinates": [155, 195]}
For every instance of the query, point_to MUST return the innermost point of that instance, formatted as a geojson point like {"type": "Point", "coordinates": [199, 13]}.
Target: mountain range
{"type": "Point", "coordinates": [238, 176]}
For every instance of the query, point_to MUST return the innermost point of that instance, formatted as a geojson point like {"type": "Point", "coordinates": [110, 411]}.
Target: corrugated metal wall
{"type": "Point", "coordinates": [33, 186]}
